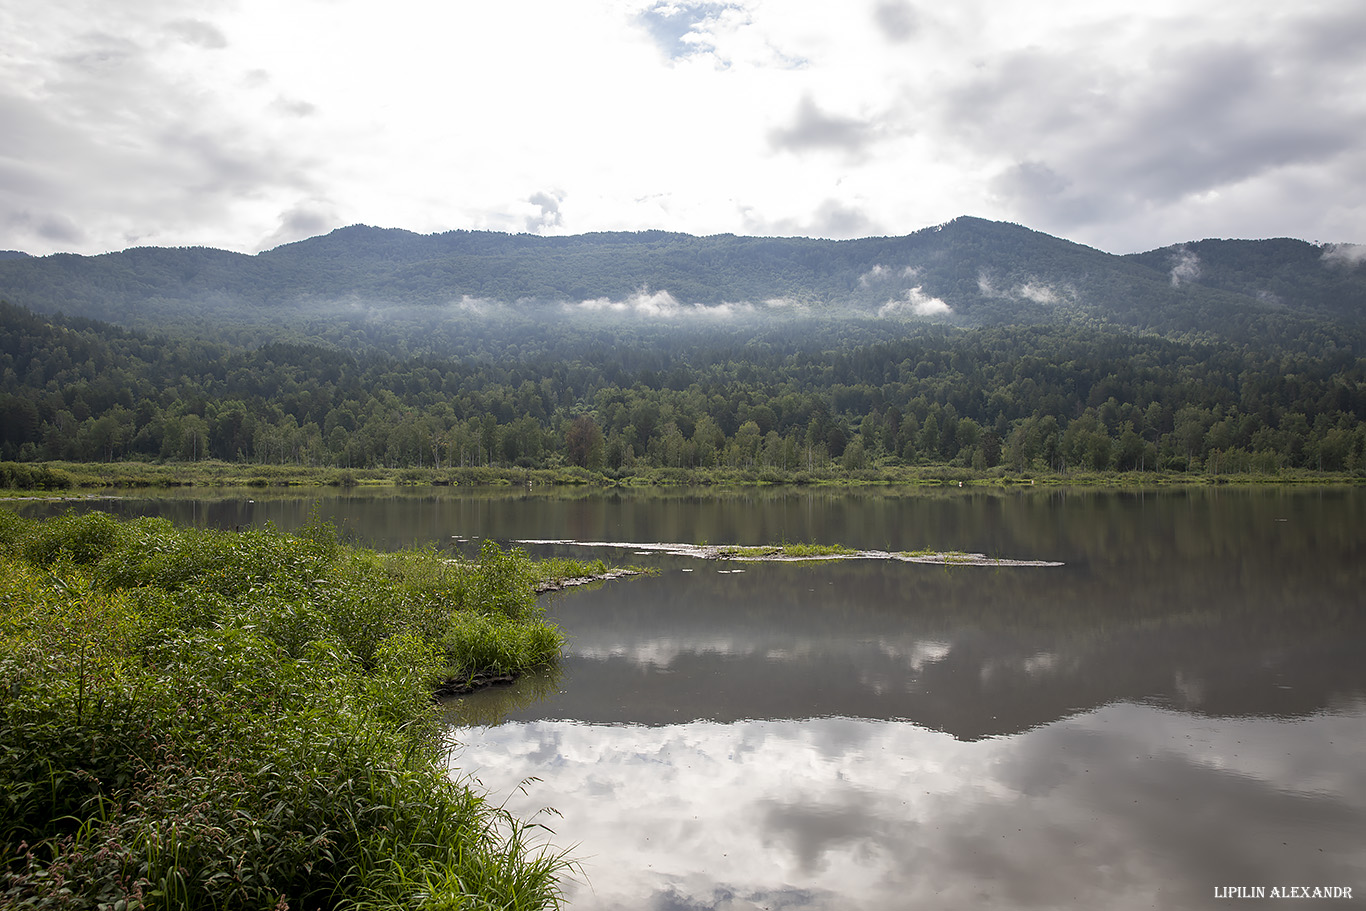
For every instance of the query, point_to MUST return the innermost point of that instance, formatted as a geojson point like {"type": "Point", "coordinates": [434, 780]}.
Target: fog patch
{"type": "Point", "coordinates": [1038, 293]}
{"type": "Point", "coordinates": [1185, 267]}
{"type": "Point", "coordinates": [917, 303]}
{"type": "Point", "coordinates": [986, 287]}
{"type": "Point", "coordinates": [1033, 290]}
{"type": "Point", "coordinates": [1345, 256]}
{"type": "Point", "coordinates": [878, 273]}
{"type": "Point", "coordinates": [658, 304]}
{"type": "Point", "coordinates": [475, 305]}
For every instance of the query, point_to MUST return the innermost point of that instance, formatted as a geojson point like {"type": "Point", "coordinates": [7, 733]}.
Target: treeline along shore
{"type": "Point", "coordinates": [1006, 400]}
{"type": "Point", "coordinates": [210, 719]}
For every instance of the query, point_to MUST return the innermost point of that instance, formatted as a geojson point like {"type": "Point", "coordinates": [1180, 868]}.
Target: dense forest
{"type": "Point", "coordinates": [976, 344]}
{"type": "Point", "coordinates": [1018, 397]}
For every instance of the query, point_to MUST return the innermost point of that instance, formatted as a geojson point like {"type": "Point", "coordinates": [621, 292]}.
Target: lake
{"type": "Point", "coordinates": [1175, 713]}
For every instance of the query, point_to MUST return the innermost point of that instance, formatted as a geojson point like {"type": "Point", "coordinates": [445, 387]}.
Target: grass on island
{"type": "Point", "coordinates": [817, 551]}
{"type": "Point", "coordinates": [793, 551]}
{"type": "Point", "coordinates": [948, 556]}
{"type": "Point", "coordinates": [200, 719]}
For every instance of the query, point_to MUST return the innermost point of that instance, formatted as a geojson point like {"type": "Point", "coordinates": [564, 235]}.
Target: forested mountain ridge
{"type": "Point", "coordinates": [1318, 280]}
{"type": "Point", "coordinates": [968, 272]}
{"type": "Point", "coordinates": [976, 344]}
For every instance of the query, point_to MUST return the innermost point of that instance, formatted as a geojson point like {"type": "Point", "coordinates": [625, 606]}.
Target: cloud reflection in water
{"type": "Point", "coordinates": [1126, 806]}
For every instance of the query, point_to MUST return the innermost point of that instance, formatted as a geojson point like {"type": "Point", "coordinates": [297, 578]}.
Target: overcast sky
{"type": "Point", "coordinates": [244, 124]}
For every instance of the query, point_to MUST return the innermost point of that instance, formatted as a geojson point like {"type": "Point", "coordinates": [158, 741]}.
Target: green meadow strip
{"type": "Point", "coordinates": [201, 719]}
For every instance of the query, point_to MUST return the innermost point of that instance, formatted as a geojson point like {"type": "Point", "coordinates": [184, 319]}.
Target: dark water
{"type": "Point", "coordinates": [1178, 709]}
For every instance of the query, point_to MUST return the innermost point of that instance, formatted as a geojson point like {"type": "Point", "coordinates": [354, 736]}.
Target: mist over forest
{"type": "Point", "coordinates": [975, 344]}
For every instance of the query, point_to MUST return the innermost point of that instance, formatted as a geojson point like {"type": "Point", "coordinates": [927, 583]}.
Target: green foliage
{"type": "Point", "coordinates": [785, 550]}
{"type": "Point", "coordinates": [17, 476]}
{"type": "Point", "coordinates": [1056, 357]}
{"type": "Point", "coordinates": [197, 719]}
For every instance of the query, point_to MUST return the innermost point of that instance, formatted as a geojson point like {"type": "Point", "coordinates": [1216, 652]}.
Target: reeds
{"type": "Point", "coordinates": [196, 719]}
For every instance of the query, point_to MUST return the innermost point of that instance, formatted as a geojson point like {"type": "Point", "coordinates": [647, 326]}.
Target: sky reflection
{"type": "Point", "coordinates": [1128, 806]}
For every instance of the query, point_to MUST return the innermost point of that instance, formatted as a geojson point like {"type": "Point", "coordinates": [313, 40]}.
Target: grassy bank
{"type": "Point", "coordinates": [198, 719]}
{"type": "Point", "coordinates": [59, 478]}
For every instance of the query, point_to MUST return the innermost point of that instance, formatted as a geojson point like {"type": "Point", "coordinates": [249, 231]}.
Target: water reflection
{"type": "Point", "coordinates": [1102, 528]}
{"type": "Point", "coordinates": [1127, 806]}
{"type": "Point", "coordinates": [973, 651]}
{"type": "Point", "coordinates": [1182, 706]}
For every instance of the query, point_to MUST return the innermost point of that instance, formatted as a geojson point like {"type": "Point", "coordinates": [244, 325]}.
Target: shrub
{"type": "Point", "coordinates": [199, 719]}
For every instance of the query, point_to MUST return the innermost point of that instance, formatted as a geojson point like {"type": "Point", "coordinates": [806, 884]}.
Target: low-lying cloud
{"type": "Point", "coordinates": [1347, 256]}
{"type": "Point", "coordinates": [880, 273]}
{"type": "Point", "coordinates": [658, 304]}
{"type": "Point", "coordinates": [1185, 267]}
{"type": "Point", "coordinates": [1031, 290]}
{"type": "Point", "coordinates": [1038, 293]}
{"type": "Point", "coordinates": [915, 302]}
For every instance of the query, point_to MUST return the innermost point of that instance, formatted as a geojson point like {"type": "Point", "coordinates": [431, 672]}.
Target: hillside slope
{"type": "Point", "coordinates": [968, 272]}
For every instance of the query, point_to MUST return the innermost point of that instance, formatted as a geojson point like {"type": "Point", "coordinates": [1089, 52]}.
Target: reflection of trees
{"type": "Point", "coordinates": [1201, 598]}
{"type": "Point", "coordinates": [1202, 601]}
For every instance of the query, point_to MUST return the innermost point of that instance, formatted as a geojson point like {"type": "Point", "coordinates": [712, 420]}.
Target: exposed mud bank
{"type": "Point", "coordinates": [799, 553]}
{"type": "Point", "coordinates": [555, 585]}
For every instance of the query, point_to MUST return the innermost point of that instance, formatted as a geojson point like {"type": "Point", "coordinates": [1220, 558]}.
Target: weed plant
{"type": "Point", "coordinates": [199, 719]}
{"type": "Point", "coordinates": [789, 551]}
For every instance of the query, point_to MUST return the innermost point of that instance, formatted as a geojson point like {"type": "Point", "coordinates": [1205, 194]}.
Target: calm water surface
{"type": "Point", "coordinates": [1179, 708]}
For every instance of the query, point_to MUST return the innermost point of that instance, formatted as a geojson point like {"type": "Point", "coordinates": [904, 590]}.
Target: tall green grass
{"type": "Point", "coordinates": [197, 719]}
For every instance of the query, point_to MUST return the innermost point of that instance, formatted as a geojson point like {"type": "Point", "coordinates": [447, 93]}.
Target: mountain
{"type": "Point", "coordinates": [1326, 281]}
{"type": "Point", "coordinates": [975, 344]}
{"type": "Point", "coordinates": [968, 272]}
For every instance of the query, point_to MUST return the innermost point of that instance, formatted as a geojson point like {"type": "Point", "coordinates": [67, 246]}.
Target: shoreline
{"type": "Point", "coordinates": [68, 479]}
{"type": "Point", "coordinates": [795, 553]}
{"type": "Point", "coordinates": [481, 680]}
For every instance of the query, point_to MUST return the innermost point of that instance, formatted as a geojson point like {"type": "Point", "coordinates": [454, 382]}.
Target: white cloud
{"type": "Point", "coordinates": [1039, 293]}
{"type": "Point", "coordinates": [1185, 267]}
{"type": "Point", "coordinates": [1127, 126]}
{"type": "Point", "coordinates": [829, 813]}
{"type": "Point", "coordinates": [660, 304]}
{"type": "Point", "coordinates": [1345, 255]}
{"type": "Point", "coordinates": [916, 302]}
{"type": "Point", "coordinates": [878, 273]}
{"type": "Point", "coordinates": [1031, 290]}
{"type": "Point", "coordinates": [549, 216]}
